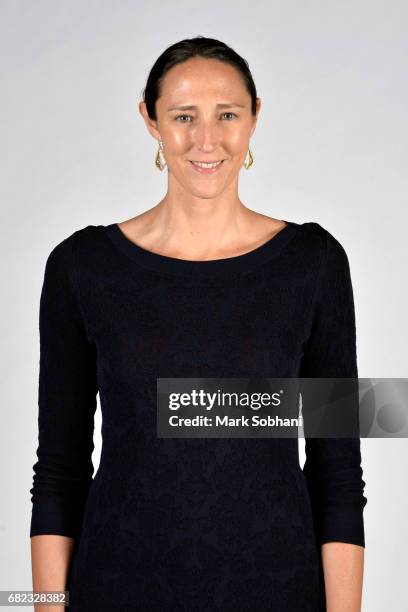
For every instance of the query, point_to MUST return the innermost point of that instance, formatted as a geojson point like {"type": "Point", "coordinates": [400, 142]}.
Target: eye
{"type": "Point", "coordinates": [180, 116]}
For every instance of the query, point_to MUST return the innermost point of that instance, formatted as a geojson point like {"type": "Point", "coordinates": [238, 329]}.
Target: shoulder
{"type": "Point", "coordinates": [322, 239]}
{"type": "Point", "coordinates": [69, 255]}
{"type": "Point", "coordinates": [333, 269]}
{"type": "Point", "coordinates": [66, 250]}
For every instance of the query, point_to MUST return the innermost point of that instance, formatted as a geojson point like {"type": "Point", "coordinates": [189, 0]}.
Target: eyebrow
{"type": "Point", "coordinates": [192, 107]}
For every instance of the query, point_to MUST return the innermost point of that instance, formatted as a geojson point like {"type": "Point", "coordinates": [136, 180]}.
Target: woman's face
{"type": "Point", "coordinates": [203, 115]}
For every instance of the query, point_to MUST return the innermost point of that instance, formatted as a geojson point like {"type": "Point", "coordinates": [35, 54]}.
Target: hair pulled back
{"type": "Point", "coordinates": [181, 51]}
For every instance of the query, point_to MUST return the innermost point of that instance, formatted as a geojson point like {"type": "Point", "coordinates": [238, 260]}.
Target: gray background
{"type": "Point", "coordinates": [330, 146]}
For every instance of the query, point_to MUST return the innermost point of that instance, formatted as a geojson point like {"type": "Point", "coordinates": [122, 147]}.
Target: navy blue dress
{"type": "Point", "coordinates": [198, 524]}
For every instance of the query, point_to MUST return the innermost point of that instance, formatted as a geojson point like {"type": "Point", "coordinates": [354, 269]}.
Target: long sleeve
{"type": "Point", "coordinates": [66, 401]}
{"type": "Point", "coordinates": [332, 468]}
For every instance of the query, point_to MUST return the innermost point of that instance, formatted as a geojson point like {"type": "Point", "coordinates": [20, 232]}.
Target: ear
{"type": "Point", "coordinates": [151, 124]}
{"type": "Point", "coordinates": [255, 119]}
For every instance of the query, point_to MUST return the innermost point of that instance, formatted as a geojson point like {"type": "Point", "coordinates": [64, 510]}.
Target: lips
{"type": "Point", "coordinates": [204, 168]}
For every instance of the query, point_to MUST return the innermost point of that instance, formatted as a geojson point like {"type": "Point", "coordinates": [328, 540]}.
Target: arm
{"type": "Point", "coordinates": [333, 465]}
{"type": "Point", "coordinates": [343, 566]}
{"type": "Point", "coordinates": [51, 557]}
{"type": "Point", "coordinates": [67, 402]}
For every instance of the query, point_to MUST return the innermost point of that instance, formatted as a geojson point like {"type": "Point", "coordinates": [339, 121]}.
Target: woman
{"type": "Point", "coordinates": [199, 285]}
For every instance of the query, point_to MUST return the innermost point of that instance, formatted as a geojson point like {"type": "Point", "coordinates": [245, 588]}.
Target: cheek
{"type": "Point", "coordinates": [233, 141]}
{"type": "Point", "coordinates": [178, 142]}
{"type": "Point", "coordinates": [238, 141]}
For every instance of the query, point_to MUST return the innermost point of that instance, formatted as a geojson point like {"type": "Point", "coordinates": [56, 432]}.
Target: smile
{"type": "Point", "coordinates": [206, 167]}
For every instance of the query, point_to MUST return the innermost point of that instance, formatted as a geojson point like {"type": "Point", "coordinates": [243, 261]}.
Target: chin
{"type": "Point", "coordinates": [206, 193]}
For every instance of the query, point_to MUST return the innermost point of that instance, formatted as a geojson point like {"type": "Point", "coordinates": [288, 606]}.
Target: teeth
{"type": "Point", "coordinates": [206, 165]}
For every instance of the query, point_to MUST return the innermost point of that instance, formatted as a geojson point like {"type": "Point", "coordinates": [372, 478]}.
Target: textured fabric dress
{"type": "Point", "coordinates": [199, 524]}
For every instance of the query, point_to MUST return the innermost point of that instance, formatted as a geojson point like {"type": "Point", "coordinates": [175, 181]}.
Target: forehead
{"type": "Point", "coordinates": [201, 77]}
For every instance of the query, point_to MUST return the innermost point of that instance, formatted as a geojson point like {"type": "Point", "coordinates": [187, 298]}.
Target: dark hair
{"type": "Point", "coordinates": [179, 52]}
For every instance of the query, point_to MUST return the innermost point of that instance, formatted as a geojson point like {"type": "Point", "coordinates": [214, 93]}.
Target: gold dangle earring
{"type": "Point", "coordinates": [249, 160]}
{"type": "Point", "coordinates": [160, 162]}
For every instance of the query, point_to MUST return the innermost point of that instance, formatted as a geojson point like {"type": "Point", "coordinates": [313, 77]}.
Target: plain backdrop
{"type": "Point", "coordinates": [330, 146]}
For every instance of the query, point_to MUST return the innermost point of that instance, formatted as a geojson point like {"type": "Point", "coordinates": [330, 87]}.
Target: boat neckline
{"type": "Point", "coordinates": [202, 268]}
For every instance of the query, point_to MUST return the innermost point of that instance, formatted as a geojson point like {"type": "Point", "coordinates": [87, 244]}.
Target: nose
{"type": "Point", "coordinates": [207, 136]}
